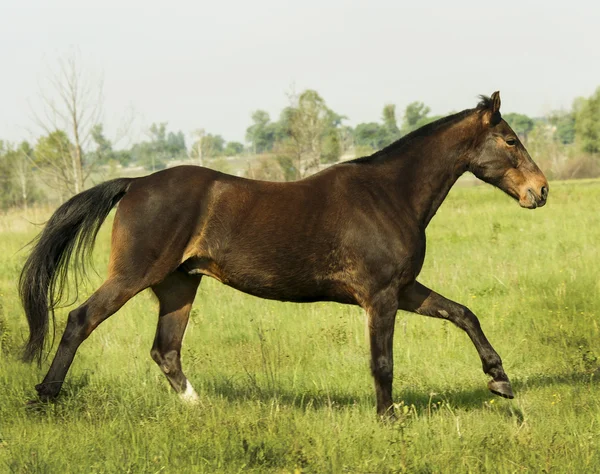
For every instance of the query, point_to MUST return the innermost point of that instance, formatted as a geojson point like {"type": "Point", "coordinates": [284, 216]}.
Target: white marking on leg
{"type": "Point", "coordinates": [443, 313]}
{"type": "Point", "coordinates": [189, 395]}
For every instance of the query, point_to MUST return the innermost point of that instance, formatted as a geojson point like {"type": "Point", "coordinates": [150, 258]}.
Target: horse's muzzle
{"type": "Point", "coordinates": [533, 199]}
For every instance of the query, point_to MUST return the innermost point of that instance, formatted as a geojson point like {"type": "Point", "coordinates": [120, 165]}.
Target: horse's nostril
{"type": "Point", "coordinates": [544, 192]}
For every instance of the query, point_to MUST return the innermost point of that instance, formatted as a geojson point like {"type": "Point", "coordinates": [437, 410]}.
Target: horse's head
{"type": "Point", "coordinates": [502, 160]}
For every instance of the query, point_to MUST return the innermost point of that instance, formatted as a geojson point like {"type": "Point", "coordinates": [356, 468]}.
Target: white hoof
{"type": "Point", "coordinates": [189, 396]}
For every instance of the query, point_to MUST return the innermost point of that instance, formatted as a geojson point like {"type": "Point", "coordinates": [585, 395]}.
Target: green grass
{"type": "Point", "coordinates": [287, 388]}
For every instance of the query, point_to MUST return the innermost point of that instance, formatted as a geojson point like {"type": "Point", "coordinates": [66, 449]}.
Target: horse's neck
{"type": "Point", "coordinates": [423, 173]}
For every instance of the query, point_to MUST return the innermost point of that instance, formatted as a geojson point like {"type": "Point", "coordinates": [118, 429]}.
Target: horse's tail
{"type": "Point", "coordinates": [70, 231]}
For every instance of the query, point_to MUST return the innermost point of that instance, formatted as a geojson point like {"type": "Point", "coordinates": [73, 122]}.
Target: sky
{"type": "Point", "coordinates": [210, 64]}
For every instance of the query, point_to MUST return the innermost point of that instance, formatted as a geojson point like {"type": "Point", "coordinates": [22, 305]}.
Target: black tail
{"type": "Point", "coordinates": [72, 229]}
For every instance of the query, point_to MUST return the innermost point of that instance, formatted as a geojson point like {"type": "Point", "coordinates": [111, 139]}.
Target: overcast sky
{"type": "Point", "coordinates": [209, 64]}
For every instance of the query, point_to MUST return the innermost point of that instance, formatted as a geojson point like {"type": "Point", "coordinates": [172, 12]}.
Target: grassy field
{"type": "Point", "coordinates": [286, 388]}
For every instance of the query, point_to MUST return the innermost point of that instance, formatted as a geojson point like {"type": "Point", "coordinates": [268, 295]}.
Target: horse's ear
{"type": "Point", "coordinates": [495, 102]}
{"type": "Point", "coordinates": [492, 115]}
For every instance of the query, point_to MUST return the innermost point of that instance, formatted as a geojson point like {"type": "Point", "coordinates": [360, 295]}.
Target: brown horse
{"type": "Point", "coordinates": [353, 233]}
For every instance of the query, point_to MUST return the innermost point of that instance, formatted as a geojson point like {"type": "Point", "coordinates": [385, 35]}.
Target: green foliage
{"type": "Point", "coordinates": [373, 136]}
{"type": "Point", "coordinates": [176, 144]}
{"type": "Point", "coordinates": [212, 145]}
{"type": "Point", "coordinates": [261, 134]}
{"type": "Point", "coordinates": [162, 147]}
{"type": "Point", "coordinates": [389, 118]}
{"type": "Point", "coordinates": [287, 387]}
{"type": "Point", "coordinates": [290, 173]}
{"type": "Point", "coordinates": [123, 157]}
{"type": "Point", "coordinates": [564, 122]}
{"type": "Point", "coordinates": [233, 149]}
{"type": "Point", "coordinates": [309, 134]}
{"type": "Point", "coordinates": [520, 123]}
{"type": "Point", "coordinates": [331, 147]}
{"type": "Point", "coordinates": [219, 163]}
{"type": "Point", "coordinates": [390, 126]}
{"type": "Point", "coordinates": [415, 116]}
{"type": "Point", "coordinates": [148, 156]}
{"type": "Point", "coordinates": [54, 150]}
{"type": "Point", "coordinates": [103, 151]}
{"type": "Point", "coordinates": [16, 176]}
{"type": "Point", "coordinates": [370, 135]}
{"type": "Point", "coordinates": [587, 123]}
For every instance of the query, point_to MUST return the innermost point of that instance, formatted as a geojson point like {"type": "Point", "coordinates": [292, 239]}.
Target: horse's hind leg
{"type": "Point", "coordinates": [175, 296]}
{"type": "Point", "coordinates": [105, 301]}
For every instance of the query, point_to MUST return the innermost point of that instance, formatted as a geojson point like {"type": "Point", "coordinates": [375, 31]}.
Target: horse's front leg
{"type": "Point", "coordinates": [421, 300]}
{"type": "Point", "coordinates": [381, 314]}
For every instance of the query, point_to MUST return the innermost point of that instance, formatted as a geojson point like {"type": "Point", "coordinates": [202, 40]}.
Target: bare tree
{"type": "Point", "coordinates": [196, 150]}
{"type": "Point", "coordinates": [22, 174]}
{"type": "Point", "coordinates": [73, 104]}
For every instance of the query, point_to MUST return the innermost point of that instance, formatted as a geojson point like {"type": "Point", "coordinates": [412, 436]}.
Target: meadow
{"type": "Point", "coordinates": [286, 387]}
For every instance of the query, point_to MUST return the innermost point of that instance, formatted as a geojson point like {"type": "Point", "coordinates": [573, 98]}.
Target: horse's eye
{"type": "Point", "coordinates": [511, 142]}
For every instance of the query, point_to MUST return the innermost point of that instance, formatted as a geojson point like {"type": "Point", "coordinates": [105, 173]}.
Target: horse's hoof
{"type": "Point", "coordinates": [36, 404]}
{"type": "Point", "coordinates": [46, 393]}
{"type": "Point", "coordinates": [387, 416]}
{"type": "Point", "coordinates": [501, 388]}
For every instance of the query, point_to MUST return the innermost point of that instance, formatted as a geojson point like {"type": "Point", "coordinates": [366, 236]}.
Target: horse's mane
{"type": "Point", "coordinates": [484, 103]}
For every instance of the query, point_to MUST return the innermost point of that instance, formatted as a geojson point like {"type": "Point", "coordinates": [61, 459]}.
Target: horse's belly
{"type": "Point", "coordinates": [291, 282]}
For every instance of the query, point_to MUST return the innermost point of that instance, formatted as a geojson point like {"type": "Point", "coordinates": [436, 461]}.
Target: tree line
{"type": "Point", "coordinates": [73, 151]}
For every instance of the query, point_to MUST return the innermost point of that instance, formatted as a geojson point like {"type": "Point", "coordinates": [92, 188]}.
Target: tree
{"type": "Point", "coordinates": [233, 149]}
{"type": "Point", "coordinates": [196, 150]}
{"type": "Point", "coordinates": [261, 134]}
{"type": "Point", "coordinates": [371, 135]}
{"type": "Point", "coordinates": [16, 176]}
{"type": "Point", "coordinates": [564, 124]}
{"type": "Point", "coordinates": [124, 157]}
{"type": "Point", "coordinates": [331, 146]}
{"type": "Point", "coordinates": [390, 126]}
{"type": "Point", "coordinates": [346, 135]}
{"type": "Point", "coordinates": [415, 116]}
{"type": "Point", "coordinates": [21, 165]}
{"type": "Point", "coordinates": [376, 136]}
{"type": "Point", "coordinates": [212, 145]}
{"type": "Point", "coordinates": [144, 154]}
{"type": "Point", "coordinates": [162, 147]}
{"type": "Point", "coordinates": [587, 123]}
{"type": "Point", "coordinates": [53, 155]}
{"type": "Point", "coordinates": [310, 124]}
{"type": "Point", "coordinates": [207, 146]}
{"type": "Point", "coordinates": [7, 188]}
{"type": "Point", "coordinates": [103, 151]}
{"type": "Point", "coordinates": [520, 123]}
{"type": "Point", "coordinates": [74, 106]}
{"type": "Point", "coordinates": [175, 144]}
